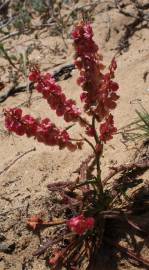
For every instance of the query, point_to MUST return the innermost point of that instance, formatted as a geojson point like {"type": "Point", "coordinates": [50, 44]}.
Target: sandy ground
{"type": "Point", "coordinates": [24, 185]}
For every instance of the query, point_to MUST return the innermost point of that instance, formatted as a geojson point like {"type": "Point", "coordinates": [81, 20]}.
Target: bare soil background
{"type": "Point", "coordinates": [23, 190]}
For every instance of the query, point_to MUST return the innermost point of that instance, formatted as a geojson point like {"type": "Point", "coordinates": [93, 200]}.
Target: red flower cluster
{"type": "Point", "coordinates": [107, 129]}
{"type": "Point", "coordinates": [14, 122]}
{"type": "Point", "coordinates": [44, 131]}
{"type": "Point", "coordinates": [87, 61]}
{"type": "Point", "coordinates": [52, 92]}
{"type": "Point", "coordinates": [80, 224]}
{"type": "Point", "coordinates": [107, 96]}
{"type": "Point", "coordinates": [99, 90]}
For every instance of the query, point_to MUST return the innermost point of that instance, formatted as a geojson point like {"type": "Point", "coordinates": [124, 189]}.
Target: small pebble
{"type": "Point", "coordinates": [7, 248]}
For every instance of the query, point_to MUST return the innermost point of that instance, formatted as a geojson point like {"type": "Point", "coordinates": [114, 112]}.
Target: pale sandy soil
{"type": "Point", "coordinates": [23, 186]}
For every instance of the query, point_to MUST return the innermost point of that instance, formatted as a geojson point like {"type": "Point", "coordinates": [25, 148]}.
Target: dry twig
{"type": "Point", "coordinates": [15, 160]}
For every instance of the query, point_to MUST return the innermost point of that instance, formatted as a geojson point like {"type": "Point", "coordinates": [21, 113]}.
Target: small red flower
{"type": "Point", "coordinates": [55, 259]}
{"type": "Point", "coordinates": [13, 121]}
{"type": "Point", "coordinates": [90, 131]}
{"type": "Point", "coordinates": [80, 224]}
{"type": "Point", "coordinates": [107, 129]}
{"type": "Point", "coordinates": [30, 125]}
{"type": "Point", "coordinates": [34, 75]}
{"type": "Point", "coordinates": [90, 223]}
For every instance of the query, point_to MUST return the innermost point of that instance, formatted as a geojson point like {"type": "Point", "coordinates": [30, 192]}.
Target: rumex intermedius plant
{"type": "Point", "coordinates": [87, 204]}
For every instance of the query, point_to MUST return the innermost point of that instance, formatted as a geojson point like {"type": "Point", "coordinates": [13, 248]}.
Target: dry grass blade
{"type": "Point", "coordinates": [138, 129]}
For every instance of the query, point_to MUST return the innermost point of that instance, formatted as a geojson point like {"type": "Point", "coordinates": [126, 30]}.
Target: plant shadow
{"type": "Point", "coordinates": [110, 255]}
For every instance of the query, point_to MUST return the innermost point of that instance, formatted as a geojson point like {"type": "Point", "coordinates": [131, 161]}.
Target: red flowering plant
{"type": "Point", "coordinates": [87, 203]}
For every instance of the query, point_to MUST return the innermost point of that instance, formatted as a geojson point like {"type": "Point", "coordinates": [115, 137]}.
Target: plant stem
{"type": "Point", "coordinates": [98, 155]}
{"type": "Point", "coordinates": [99, 183]}
{"type": "Point", "coordinates": [94, 127]}
{"type": "Point", "coordinates": [91, 145]}
{"type": "Point", "coordinates": [87, 182]}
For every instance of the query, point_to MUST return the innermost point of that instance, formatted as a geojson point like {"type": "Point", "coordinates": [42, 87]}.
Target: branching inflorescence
{"type": "Point", "coordinates": [99, 96]}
